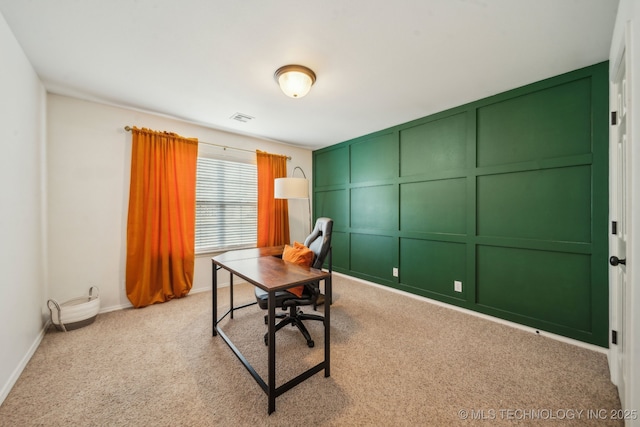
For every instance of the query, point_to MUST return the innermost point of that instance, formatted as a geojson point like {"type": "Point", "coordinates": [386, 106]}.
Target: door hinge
{"type": "Point", "coordinates": [614, 227]}
{"type": "Point", "coordinates": [614, 337]}
{"type": "Point", "coordinates": [614, 118]}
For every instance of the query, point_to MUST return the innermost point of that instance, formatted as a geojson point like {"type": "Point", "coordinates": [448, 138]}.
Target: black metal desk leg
{"type": "Point", "coordinates": [214, 296]}
{"type": "Point", "coordinates": [327, 326]}
{"type": "Point", "coordinates": [231, 292]}
{"type": "Point", "coordinates": [271, 306]}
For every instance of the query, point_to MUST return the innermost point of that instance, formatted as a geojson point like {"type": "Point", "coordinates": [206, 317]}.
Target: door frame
{"type": "Point", "coordinates": [623, 48]}
{"type": "Point", "coordinates": [617, 191]}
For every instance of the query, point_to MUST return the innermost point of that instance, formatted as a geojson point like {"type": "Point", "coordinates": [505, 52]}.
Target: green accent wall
{"type": "Point", "coordinates": [508, 195]}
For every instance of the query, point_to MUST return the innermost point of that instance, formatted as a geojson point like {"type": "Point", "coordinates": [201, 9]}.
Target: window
{"type": "Point", "coordinates": [226, 205]}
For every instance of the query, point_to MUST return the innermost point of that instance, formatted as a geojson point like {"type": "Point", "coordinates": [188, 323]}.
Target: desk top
{"type": "Point", "coordinates": [266, 271]}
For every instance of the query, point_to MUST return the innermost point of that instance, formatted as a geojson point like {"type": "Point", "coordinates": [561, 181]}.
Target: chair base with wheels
{"type": "Point", "coordinates": [294, 318]}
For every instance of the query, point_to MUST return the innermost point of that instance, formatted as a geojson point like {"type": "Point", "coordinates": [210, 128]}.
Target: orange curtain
{"type": "Point", "coordinates": [161, 222]}
{"type": "Point", "coordinates": [273, 214]}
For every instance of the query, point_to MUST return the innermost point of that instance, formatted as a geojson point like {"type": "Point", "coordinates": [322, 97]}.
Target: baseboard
{"type": "Point", "coordinates": [115, 308]}
{"type": "Point", "coordinates": [6, 388]}
{"type": "Point", "coordinates": [483, 316]}
{"type": "Point", "coordinates": [208, 288]}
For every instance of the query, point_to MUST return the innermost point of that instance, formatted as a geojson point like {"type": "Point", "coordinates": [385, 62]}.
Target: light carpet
{"type": "Point", "coordinates": [395, 360]}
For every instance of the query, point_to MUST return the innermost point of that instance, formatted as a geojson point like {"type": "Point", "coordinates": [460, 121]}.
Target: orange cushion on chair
{"type": "Point", "coordinates": [301, 255]}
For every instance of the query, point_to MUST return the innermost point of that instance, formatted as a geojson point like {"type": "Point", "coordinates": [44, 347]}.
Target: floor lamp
{"type": "Point", "coordinates": [293, 188]}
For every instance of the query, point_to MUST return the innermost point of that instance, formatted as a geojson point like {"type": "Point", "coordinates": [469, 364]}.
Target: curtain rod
{"type": "Point", "coordinates": [129, 129]}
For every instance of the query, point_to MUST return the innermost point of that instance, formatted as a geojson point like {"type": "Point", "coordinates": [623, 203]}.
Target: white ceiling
{"type": "Point", "coordinates": [379, 63]}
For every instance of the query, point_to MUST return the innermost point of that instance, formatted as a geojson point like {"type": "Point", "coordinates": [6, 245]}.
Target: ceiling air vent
{"type": "Point", "coordinates": [244, 118]}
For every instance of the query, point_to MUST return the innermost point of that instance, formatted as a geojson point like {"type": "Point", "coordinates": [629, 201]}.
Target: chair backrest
{"type": "Point", "coordinates": [319, 241]}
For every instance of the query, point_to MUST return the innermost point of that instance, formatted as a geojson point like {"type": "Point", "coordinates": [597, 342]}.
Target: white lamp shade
{"type": "Point", "coordinates": [291, 188]}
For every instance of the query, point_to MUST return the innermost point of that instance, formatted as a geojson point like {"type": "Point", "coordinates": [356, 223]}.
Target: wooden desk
{"type": "Point", "coordinates": [263, 269]}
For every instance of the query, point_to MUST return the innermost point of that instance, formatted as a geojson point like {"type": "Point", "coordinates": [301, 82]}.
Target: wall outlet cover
{"type": "Point", "coordinates": [457, 286]}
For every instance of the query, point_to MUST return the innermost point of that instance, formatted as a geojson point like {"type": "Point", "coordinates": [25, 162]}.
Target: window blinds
{"type": "Point", "coordinates": [226, 205]}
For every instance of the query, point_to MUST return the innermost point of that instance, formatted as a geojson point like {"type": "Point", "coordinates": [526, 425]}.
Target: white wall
{"type": "Point", "coordinates": [629, 13]}
{"type": "Point", "coordinates": [89, 156]}
{"type": "Point", "coordinates": [22, 232]}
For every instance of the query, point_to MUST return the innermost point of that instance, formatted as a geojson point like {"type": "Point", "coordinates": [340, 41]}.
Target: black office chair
{"type": "Point", "coordinates": [319, 241]}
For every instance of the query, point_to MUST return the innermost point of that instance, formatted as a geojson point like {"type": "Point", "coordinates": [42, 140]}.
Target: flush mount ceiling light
{"type": "Point", "coordinates": [295, 80]}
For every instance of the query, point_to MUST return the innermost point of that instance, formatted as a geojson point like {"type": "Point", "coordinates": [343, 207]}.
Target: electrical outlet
{"type": "Point", "coordinates": [457, 286]}
{"type": "Point", "coordinates": [395, 272]}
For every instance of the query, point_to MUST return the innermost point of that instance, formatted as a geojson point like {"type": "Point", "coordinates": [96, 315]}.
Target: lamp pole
{"type": "Point", "coordinates": [308, 196]}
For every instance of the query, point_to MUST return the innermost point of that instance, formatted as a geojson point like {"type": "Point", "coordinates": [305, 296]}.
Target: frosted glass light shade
{"type": "Point", "coordinates": [295, 80]}
{"type": "Point", "coordinates": [291, 188]}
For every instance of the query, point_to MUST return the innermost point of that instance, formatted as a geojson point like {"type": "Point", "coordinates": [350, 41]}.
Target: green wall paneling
{"type": "Point", "coordinates": [508, 194]}
{"type": "Point", "coordinates": [431, 267]}
{"type": "Point", "coordinates": [374, 159]}
{"type": "Point", "coordinates": [536, 287]}
{"type": "Point", "coordinates": [340, 250]}
{"type": "Point", "coordinates": [436, 145]}
{"type": "Point", "coordinates": [333, 204]}
{"type": "Point", "coordinates": [331, 167]}
{"type": "Point", "coordinates": [547, 123]}
{"type": "Point", "coordinates": [549, 204]}
{"type": "Point", "coordinates": [373, 256]}
{"type": "Point", "coordinates": [377, 207]}
{"type": "Point", "coordinates": [434, 206]}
